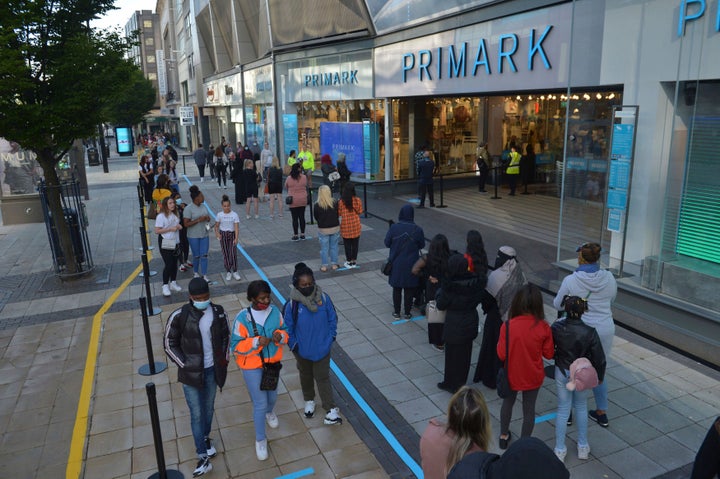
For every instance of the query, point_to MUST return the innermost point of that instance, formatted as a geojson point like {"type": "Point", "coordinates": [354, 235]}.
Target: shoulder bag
{"type": "Point", "coordinates": [503, 380]}
{"type": "Point", "coordinates": [152, 210]}
{"type": "Point", "coordinates": [271, 371]}
{"type": "Point", "coordinates": [433, 314]}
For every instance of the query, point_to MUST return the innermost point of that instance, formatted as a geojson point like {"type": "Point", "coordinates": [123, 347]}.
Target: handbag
{"type": "Point", "coordinates": [169, 244]}
{"type": "Point", "coordinates": [433, 314]}
{"type": "Point", "coordinates": [334, 176]}
{"type": "Point", "coordinates": [288, 200]}
{"type": "Point", "coordinates": [386, 267]}
{"type": "Point", "coordinates": [503, 381]}
{"type": "Point", "coordinates": [152, 210]}
{"type": "Point", "coordinates": [271, 371]}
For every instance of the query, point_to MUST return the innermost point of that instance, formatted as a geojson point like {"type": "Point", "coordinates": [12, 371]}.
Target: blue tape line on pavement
{"type": "Point", "coordinates": [403, 321]}
{"type": "Point", "coordinates": [304, 472]}
{"type": "Point", "coordinates": [546, 417]}
{"type": "Point", "coordinates": [379, 425]}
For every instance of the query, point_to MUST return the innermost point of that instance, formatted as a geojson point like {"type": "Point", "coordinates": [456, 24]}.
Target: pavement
{"type": "Point", "coordinates": [73, 404]}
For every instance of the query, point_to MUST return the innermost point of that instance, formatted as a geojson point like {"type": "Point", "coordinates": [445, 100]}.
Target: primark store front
{"type": "Point", "coordinates": [620, 102]}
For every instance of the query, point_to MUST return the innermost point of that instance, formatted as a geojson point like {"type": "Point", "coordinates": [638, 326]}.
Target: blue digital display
{"type": "Point", "coordinates": [125, 143]}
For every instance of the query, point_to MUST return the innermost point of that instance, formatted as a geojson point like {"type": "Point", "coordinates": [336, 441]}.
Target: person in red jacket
{"type": "Point", "coordinates": [530, 341]}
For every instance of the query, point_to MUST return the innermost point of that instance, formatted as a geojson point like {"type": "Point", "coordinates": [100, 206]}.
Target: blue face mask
{"type": "Point", "coordinates": [201, 305]}
{"type": "Point", "coordinates": [178, 201]}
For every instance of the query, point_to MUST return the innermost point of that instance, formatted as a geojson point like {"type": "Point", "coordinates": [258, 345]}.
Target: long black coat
{"type": "Point", "coordinates": [405, 240]}
{"type": "Point", "coordinates": [459, 297]}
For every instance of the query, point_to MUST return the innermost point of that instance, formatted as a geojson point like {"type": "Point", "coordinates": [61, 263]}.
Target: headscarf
{"type": "Point", "coordinates": [506, 280]}
{"type": "Point", "coordinates": [407, 214]}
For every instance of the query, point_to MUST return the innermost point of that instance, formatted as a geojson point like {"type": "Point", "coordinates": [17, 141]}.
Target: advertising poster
{"type": "Point", "coordinates": [124, 138]}
{"type": "Point", "coordinates": [344, 138]}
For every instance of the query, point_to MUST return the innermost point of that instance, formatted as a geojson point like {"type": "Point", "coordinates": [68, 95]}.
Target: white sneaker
{"type": "Point", "coordinates": [333, 416]}
{"type": "Point", "coordinates": [174, 286]}
{"type": "Point", "coordinates": [247, 217]}
{"type": "Point", "coordinates": [196, 275]}
{"type": "Point", "coordinates": [271, 217]}
{"type": "Point", "coordinates": [210, 447]}
{"type": "Point", "coordinates": [202, 180]}
{"type": "Point", "coordinates": [257, 217]}
{"type": "Point", "coordinates": [584, 452]}
{"type": "Point", "coordinates": [228, 276]}
{"type": "Point", "coordinates": [261, 450]}
{"type": "Point", "coordinates": [237, 276]}
{"type": "Point", "coordinates": [347, 265]}
{"type": "Point", "coordinates": [207, 280]}
{"type": "Point", "coordinates": [225, 187]}
{"type": "Point", "coordinates": [272, 420]}
{"type": "Point", "coordinates": [166, 290]}
{"type": "Point", "coordinates": [203, 466]}
{"type": "Point", "coordinates": [561, 454]}
{"type": "Point", "coordinates": [309, 409]}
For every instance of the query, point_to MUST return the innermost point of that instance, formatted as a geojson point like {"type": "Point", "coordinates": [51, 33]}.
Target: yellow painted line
{"type": "Point", "coordinates": [77, 445]}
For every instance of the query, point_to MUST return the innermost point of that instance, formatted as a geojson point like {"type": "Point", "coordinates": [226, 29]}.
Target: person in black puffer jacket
{"type": "Point", "coordinates": [186, 332]}
{"type": "Point", "coordinates": [459, 295]}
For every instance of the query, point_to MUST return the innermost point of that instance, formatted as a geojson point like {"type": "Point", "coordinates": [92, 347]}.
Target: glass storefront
{"type": "Point", "coordinates": [326, 102]}
{"type": "Point", "coordinates": [259, 104]}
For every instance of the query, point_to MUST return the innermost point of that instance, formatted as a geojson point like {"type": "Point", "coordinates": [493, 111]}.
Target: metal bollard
{"type": "Point", "coordinates": [162, 473]}
{"type": "Point", "coordinates": [495, 178]}
{"type": "Point", "coordinates": [144, 248]}
{"type": "Point", "coordinates": [310, 204]}
{"type": "Point", "coordinates": [151, 367]}
{"type": "Point", "coordinates": [442, 193]}
{"type": "Point", "coordinates": [365, 203]}
{"type": "Point", "coordinates": [148, 294]}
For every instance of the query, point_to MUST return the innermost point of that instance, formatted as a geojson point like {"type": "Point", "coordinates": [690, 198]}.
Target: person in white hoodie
{"type": "Point", "coordinates": [599, 288]}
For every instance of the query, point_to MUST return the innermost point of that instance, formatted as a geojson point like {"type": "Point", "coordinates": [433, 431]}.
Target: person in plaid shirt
{"type": "Point", "coordinates": [350, 208]}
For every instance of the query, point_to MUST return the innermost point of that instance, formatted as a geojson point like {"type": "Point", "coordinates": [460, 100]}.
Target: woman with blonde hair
{"type": "Point", "coordinates": [467, 430]}
{"type": "Point", "coordinates": [326, 214]}
{"type": "Point", "coordinates": [275, 186]}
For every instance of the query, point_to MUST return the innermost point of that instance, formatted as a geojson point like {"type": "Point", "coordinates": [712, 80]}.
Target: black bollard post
{"type": "Point", "coordinates": [526, 192]}
{"type": "Point", "coordinates": [144, 248]}
{"type": "Point", "coordinates": [148, 294]}
{"type": "Point", "coordinates": [141, 195]}
{"type": "Point", "coordinates": [184, 170]}
{"type": "Point", "coordinates": [365, 203]}
{"type": "Point", "coordinates": [495, 178]}
{"type": "Point", "coordinates": [442, 193]}
{"type": "Point", "coordinates": [151, 367]}
{"type": "Point", "coordinates": [162, 473]}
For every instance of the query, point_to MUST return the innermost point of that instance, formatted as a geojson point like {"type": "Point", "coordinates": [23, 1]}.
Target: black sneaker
{"type": "Point", "coordinates": [210, 446]}
{"type": "Point", "coordinates": [599, 418]}
{"type": "Point", "coordinates": [396, 315]}
{"type": "Point", "coordinates": [408, 315]}
{"type": "Point", "coordinates": [569, 419]}
{"type": "Point", "coordinates": [203, 466]}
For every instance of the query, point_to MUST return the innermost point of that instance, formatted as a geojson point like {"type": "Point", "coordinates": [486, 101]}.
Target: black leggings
{"type": "Point", "coordinates": [397, 294]}
{"type": "Point", "coordinates": [351, 248]}
{"type": "Point", "coordinates": [220, 172]}
{"type": "Point", "coordinates": [528, 406]}
{"type": "Point", "coordinates": [171, 262]}
{"type": "Point", "coordinates": [298, 217]}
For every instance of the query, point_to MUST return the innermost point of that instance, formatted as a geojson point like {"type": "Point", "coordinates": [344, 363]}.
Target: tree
{"type": "Point", "coordinates": [59, 79]}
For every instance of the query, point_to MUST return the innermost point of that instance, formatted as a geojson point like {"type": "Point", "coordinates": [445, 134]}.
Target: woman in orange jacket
{"type": "Point", "coordinates": [258, 334]}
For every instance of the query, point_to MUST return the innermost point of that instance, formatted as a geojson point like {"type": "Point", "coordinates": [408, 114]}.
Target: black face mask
{"type": "Point", "coordinates": [307, 290]}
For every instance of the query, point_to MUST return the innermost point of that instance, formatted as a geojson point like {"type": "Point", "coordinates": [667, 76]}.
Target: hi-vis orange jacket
{"type": "Point", "coordinates": [242, 340]}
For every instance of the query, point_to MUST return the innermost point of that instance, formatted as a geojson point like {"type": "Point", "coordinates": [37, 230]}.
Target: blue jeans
{"type": "Point", "coordinates": [601, 390]}
{"type": "Point", "coordinates": [201, 402]}
{"type": "Point", "coordinates": [263, 401]}
{"type": "Point", "coordinates": [200, 248]}
{"type": "Point", "coordinates": [329, 245]}
{"type": "Point", "coordinates": [567, 399]}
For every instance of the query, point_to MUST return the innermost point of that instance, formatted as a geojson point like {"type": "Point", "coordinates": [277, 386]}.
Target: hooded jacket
{"type": "Point", "coordinates": [599, 288]}
{"type": "Point", "coordinates": [242, 342]}
{"type": "Point", "coordinates": [184, 346]}
{"type": "Point", "coordinates": [312, 333]}
{"type": "Point", "coordinates": [459, 296]}
{"type": "Point", "coordinates": [405, 240]}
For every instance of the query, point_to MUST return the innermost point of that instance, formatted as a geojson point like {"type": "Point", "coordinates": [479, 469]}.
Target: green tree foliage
{"type": "Point", "coordinates": [60, 78]}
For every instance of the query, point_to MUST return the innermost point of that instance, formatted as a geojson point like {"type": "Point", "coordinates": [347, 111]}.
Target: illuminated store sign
{"type": "Point", "coordinates": [453, 61]}
{"type": "Point", "coordinates": [691, 10]}
{"type": "Point", "coordinates": [332, 78]}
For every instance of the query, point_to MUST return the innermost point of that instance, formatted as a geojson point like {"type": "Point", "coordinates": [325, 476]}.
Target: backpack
{"type": "Point", "coordinates": [582, 375]}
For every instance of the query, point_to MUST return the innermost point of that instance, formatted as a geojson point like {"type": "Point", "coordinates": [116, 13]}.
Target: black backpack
{"type": "Point", "coordinates": [473, 466]}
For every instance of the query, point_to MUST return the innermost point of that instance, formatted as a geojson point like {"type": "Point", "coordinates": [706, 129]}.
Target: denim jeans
{"type": "Point", "coordinates": [601, 390]}
{"type": "Point", "coordinates": [328, 245]}
{"type": "Point", "coordinates": [200, 248]}
{"type": "Point", "coordinates": [201, 402]}
{"type": "Point", "coordinates": [576, 400]}
{"type": "Point", "coordinates": [263, 401]}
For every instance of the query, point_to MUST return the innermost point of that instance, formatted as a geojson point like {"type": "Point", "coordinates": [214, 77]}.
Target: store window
{"type": "Point", "coordinates": [150, 59]}
{"type": "Point", "coordinates": [149, 41]}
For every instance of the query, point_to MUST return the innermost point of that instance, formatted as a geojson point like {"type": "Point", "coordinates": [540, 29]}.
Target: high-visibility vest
{"type": "Point", "coordinates": [514, 166]}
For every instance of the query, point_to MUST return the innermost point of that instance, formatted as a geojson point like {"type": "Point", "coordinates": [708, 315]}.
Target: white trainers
{"type": "Point", "coordinates": [228, 276]}
{"type": "Point", "coordinates": [196, 275]}
{"type": "Point", "coordinates": [333, 416]}
{"type": "Point", "coordinates": [272, 420]}
{"type": "Point", "coordinates": [561, 454]}
{"type": "Point", "coordinates": [583, 452]}
{"type": "Point", "coordinates": [210, 447]}
{"type": "Point", "coordinates": [237, 276]}
{"type": "Point", "coordinates": [202, 180]}
{"type": "Point", "coordinates": [166, 290]}
{"type": "Point", "coordinates": [203, 466]}
{"type": "Point", "coordinates": [347, 265]}
{"type": "Point", "coordinates": [261, 450]}
{"type": "Point", "coordinates": [247, 217]}
{"type": "Point", "coordinates": [207, 280]}
{"type": "Point", "coordinates": [309, 409]}
{"type": "Point", "coordinates": [174, 286]}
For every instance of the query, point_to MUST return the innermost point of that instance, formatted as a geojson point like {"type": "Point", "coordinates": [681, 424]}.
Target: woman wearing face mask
{"type": "Point", "coordinates": [258, 334]}
{"type": "Point", "coordinates": [197, 339]}
{"type": "Point", "coordinates": [503, 283]}
{"type": "Point", "coordinates": [312, 326]}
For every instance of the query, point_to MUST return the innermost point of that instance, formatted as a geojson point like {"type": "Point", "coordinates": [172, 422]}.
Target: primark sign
{"type": "Point", "coordinates": [528, 51]}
